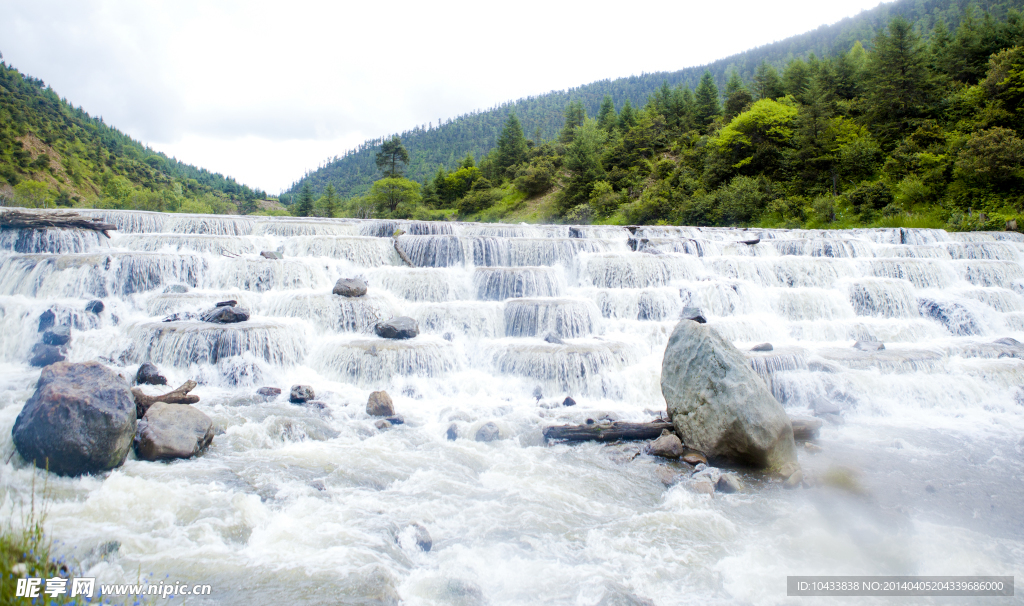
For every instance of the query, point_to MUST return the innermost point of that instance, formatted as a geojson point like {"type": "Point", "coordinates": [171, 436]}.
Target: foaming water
{"type": "Point", "coordinates": [315, 503]}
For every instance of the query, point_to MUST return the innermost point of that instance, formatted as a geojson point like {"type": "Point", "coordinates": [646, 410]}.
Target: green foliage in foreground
{"type": "Point", "coordinates": [53, 154]}
{"type": "Point", "coordinates": [913, 133]}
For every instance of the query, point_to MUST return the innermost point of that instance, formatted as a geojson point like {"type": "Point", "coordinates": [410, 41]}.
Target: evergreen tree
{"type": "Point", "coordinates": [583, 160]}
{"type": "Point", "coordinates": [329, 201]}
{"type": "Point", "coordinates": [767, 84]}
{"type": "Point", "coordinates": [511, 148]}
{"type": "Point", "coordinates": [706, 107]}
{"type": "Point", "coordinates": [304, 206]}
{"type": "Point", "coordinates": [627, 117]}
{"type": "Point", "coordinates": [575, 115]}
{"type": "Point", "coordinates": [392, 158]}
{"type": "Point", "coordinates": [901, 86]}
{"type": "Point", "coordinates": [737, 97]}
{"type": "Point", "coordinates": [796, 78]}
{"type": "Point", "coordinates": [606, 117]}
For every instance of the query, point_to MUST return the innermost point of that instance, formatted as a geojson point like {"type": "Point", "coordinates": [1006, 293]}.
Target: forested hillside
{"type": "Point", "coordinates": [54, 154]}
{"type": "Point", "coordinates": [913, 132]}
{"type": "Point", "coordinates": [445, 145]}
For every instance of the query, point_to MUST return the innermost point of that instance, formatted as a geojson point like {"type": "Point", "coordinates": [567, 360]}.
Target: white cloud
{"type": "Point", "coordinates": [263, 90]}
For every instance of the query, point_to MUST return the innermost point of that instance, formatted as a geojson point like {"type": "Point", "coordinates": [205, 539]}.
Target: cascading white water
{"type": "Point", "coordinates": [313, 504]}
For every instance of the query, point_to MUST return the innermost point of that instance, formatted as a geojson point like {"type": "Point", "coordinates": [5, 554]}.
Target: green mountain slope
{"type": "Point", "coordinates": [542, 115]}
{"type": "Point", "coordinates": [52, 153]}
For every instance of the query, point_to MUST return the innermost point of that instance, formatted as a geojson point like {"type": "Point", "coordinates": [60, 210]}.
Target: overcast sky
{"type": "Point", "coordinates": [263, 91]}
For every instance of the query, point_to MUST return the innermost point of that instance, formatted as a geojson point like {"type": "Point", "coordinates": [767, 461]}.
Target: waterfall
{"type": "Point", "coordinates": [513, 319]}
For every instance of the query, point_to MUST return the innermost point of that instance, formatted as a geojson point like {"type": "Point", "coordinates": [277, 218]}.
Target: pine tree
{"type": "Point", "coordinates": [737, 97]}
{"type": "Point", "coordinates": [304, 206]}
{"type": "Point", "coordinates": [706, 107]}
{"type": "Point", "coordinates": [575, 114]}
{"type": "Point", "coordinates": [627, 117]}
{"type": "Point", "coordinates": [900, 85]}
{"type": "Point", "coordinates": [329, 202]}
{"type": "Point", "coordinates": [511, 148]}
{"type": "Point", "coordinates": [606, 117]}
{"type": "Point", "coordinates": [392, 158]}
{"type": "Point", "coordinates": [767, 84]}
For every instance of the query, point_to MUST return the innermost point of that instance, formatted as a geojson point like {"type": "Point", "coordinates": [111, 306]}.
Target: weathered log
{"type": "Point", "coordinates": [14, 219]}
{"type": "Point", "coordinates": [178, 396]}
{"type": "Point", "coordinates": [607, 432]}
{"type": "Point", "coordinates": [401, 253]}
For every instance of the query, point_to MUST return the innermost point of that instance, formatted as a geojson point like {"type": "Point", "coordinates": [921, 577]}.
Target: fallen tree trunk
{"type": "Point", "coordinates": [25, 219]}
{"type": "Point", "coordinates": [607, 432]}
{"type": "Point", "coordinates": [401, 253]}
{"type": "Point", "coordinates": [178, 396]}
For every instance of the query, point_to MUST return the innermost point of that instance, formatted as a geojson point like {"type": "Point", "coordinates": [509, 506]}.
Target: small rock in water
{"type": "Point", "coordinates": [668, 475]}
{"type": "Point", "coordinates": [538, 393]}
{"type": "Point", "coordinates": [869, 345]}
{"type": "Point", "coordinates": [488, 432]}
{"type": "Point", "coordinates": [929, 489]}
{"type": "Point", "coordinates": [44, 355]}
{"type": "Point", "coordinates": [694, 314]}
{"type": "Point", "coordinates": [805, 428]}
{"type": "Point", "coordinates": [379, 404]}
{"type": "Point", "coordinates": [794, 480]}
{"type": "Point", "coordinates": [172, 431]}
{"type": "Point", "coordinates": [703, 486]}
{"type": "Point", "coordinates": [448, 337]}
{"type": "Point", "coordinates": [177, 289]}
{"type": "Point", "coordinates": [423, 540]}
{"type": "Point", "coordinates": [396, 420]}
{"type": "Point", "coordinates": [46, 320]}
{"type": "Point", "coordinates": [453, 432]}
{"type": "Point", "coordinates": [693, 457]}
{"type": "Point", "coordinates": [812, 447]}
{"type": "Point", "coordinates": [318, 484]}
{"type": "Point", "coordinates": [182, 316]}
{"type": "Point", "coordinates": [226, 315]}
{"type": "Point", "coordinates": [94, 307]}
{"type": "Point", "coordinates": [402, 327]}
{"type": "Point", "coordinates": [824, 407]}
{"type": "Point", "coordinates": [230, 303]}
{"type": "Point", "coordinates": [58, 335]}
{"type": "Point", "coordinates": [382, 424]}
{"type": "Point", "coordinates": [553, 339]}
{"type": "Point", "coordinates": [668, 446]}
{"type": "Point", "coordinates": [762, 347]}
{"type": "Point", "coordinates": [350, 287]}
{"type": "Point", "coordinates": [148, 374]}
{"type": "Point", "coordinates": [463, 593]}
{"type": "Point", "coordinates": [271, 254]}
{"type": "Point", "coordinates": [729, 483]}
{"type": "Point", "coordinates": [568, 401]}
{"type": "Point", "coordinates": [269, 392]}
{"type": "Point", "coordinates": [301, 393]}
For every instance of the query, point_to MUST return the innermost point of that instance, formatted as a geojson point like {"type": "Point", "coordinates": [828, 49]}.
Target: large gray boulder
{"type": "Point", "coordinates": [81, 419]}
{"type": "Point", "coordinates": [719, 405]}
{"type": "Point", "coordinates": [226, 314]}
{"type": "Point", "coordinates": [172, 431]}
{"type": "Point", "coordinates": [402, 327]}
{"type": "Point", "coordinates": [350, 287]}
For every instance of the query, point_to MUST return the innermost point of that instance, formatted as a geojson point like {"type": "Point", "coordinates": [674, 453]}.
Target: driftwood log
{"type": "Point", "coordinates": [607, 432]}
{"type": "Point", "coordinates": [401, 253]}
{"type": "Point", "coordinates": [26, 219]}
{"type": "Point", "coordinates": [178, 396]}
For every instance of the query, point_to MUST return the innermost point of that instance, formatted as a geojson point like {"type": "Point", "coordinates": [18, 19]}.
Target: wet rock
{"type": "Point", "coordinates": [172, 431]}
{"type": "Point", "coordinates": [182, 316]}
{"type": "Point", "coordinates": [382, 424]}
{"type": "Point", "coordinates": [568, 401]}
{"type": "Point", "coordinates": [177, 289]}
{"type": "Point", "coordinates": [459, 592]}
{"type": "Point", "coordinates": [453, 432]}
{"type": "Point", "coordinates": [693, 457]}
{"type": "Point", "coordinates": [57, 335]}
{"type": "Point", "coordinates": [422, 537]}
{"type": "Point", "coordinates": [94, 307]}
{"type": "Point", "coordinates": [318, 406]}
{"type": "Point", "coordinates": [805, 428]}
{"type": "Point", "coordinates": [751, 241]}
{"type": "Point", "coordinates": [869, 345]}
{"type": "Point", "coordinates": [812, 448]}
{"type": "Point", "coordinates": [228, 314]}
{"type": "Point", "coordinates": [318, 484]}
{"type": "Point", "coordinates": [396, 420]}
{"type": "Point", "coordinates": [794, 480]}
{"type": "Point", "coordinates": [301, 393]}
{"type": "Point", "coordinates": [703, 486]}
{"type": "Point", "coordinates": [929, 489]}
{"type": "Point", "coordinates": [231, 303]}
{"type": "Point", "coordinates": [823, 407]}
{"type": "Point", "coordinates": [553, 339]}
{"type": "Point", "coordinates": [762, 347]}
{"type": "Point", "coordinates": [270, 392]}
{"type": "Point", "coordinates": [81, 419]}
{"type": "Point", "coordinates": [668, 446]}
{"type": "Point", "coordinates": [402, 327]}
{"type": "Point", "coordinates": [148, 374]}
{"type": "Point", "coordinates": [719, 405]}
{"type": "Point", "coordinates": [379, 404]}
{"type": "Point", "coordinates": [271, 254]}
{"type": "Point", "coordinates": [46, 320]}
{"type": "Point", "coordinates": [44, 355]}
{"type": "Point", "coordinates": [729, 483]}
{"type": "Point", "coordinates": [693, 314]}
{"type": "Point", "coordinates": [1009, 341]}
{"type": "Point", "coordinates": [538, 393]}
{"type": "Point", "coordinates": [669, 476]}
{"type": "Point", "coordinates": [350, 287]}
{"type": "Point", "coordinates": [448, 337]}
{"type": "Point", "coordinates": [818, 366]}
{"type": "Point", "coordinates": [488, 432]}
